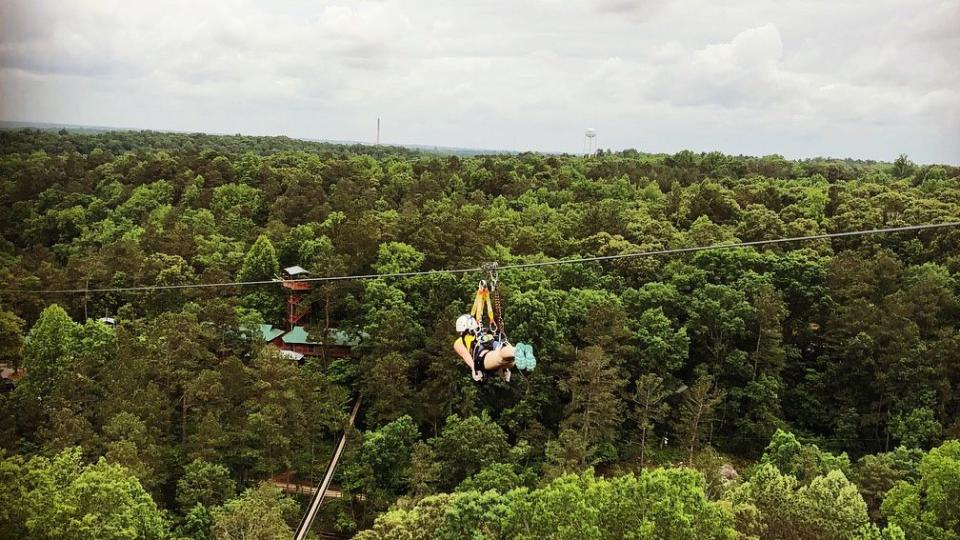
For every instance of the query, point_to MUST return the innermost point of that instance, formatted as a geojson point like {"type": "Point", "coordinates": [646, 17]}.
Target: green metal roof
{"type": "Point", "coordinates": [269, 333]}
{"type": "Point", "coordinates": [298, 336]}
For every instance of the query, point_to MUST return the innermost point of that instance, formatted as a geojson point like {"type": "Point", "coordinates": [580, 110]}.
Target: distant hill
{"type": "Point", "coordinates": [420, 148]}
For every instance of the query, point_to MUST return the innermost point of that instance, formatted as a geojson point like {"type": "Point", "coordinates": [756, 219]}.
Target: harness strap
{"type": "Point", "coordinates": [498, 304]}
{"type": "Point", "coordinates": [477, 309]}
{"type": "Point", "coordinates": [486, 297]}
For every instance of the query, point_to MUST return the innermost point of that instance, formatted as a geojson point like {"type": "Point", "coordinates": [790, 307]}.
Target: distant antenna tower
{"type": "Point", "coordinates": [378, 131]}
{"type": "Point", "coordinates": [590, 141]}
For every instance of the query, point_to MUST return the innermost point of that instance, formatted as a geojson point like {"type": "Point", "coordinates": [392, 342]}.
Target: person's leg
{"type": "Point", "coordinates": [495, 360]}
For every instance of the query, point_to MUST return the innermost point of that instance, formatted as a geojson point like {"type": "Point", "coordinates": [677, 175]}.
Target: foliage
{"type": "Point", "coordinates": [928, 508]}
{"type": "Point", "coordinates": [802, 461]}
{"type": "Point", "coordinates": [697, 413]}
{"type": "Point", "coordinates": [260, 513]}
{"type": "Point", "coordinates": [381, 468]}
{"type": "Point", "coordinates": [849, 343]}
{"type": "Point", "coordinates": [917, 429]}
{"type": "Point", "coordinates": [203, 483]}
{"type": "Point", "coordinates": [650, 407]}
{"type": "Point", "coordinates": [64, 498]}
{"type": "Point", "coordinates": [49, 349]}
{"type": "Point", "coordinates": [656, 504]}
{"type": "Point", "coordinates": [595, 404]}
{"type": "Point", "coordinates": [467, 445]}
{"type": "Point", "coordinates": [773, 505]}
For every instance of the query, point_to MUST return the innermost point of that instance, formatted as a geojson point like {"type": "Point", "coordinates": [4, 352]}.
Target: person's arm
{"type": "Point", "coordinates": [461, 350]}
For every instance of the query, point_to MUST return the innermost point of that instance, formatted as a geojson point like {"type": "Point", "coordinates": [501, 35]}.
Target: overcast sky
{"type": "Point", "coordinates": [852, 78]}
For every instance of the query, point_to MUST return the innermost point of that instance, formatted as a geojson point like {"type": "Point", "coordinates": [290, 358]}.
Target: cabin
{"type": "Point", "coordinates": [339, 343]}
{"type": "Point", "coordinates": [270, 335]}
{"type": "Point", "coordinates": [294, 342]}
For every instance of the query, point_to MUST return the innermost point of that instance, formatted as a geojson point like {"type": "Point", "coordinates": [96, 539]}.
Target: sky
{"type": "Point", "coordinates": [866, 79]}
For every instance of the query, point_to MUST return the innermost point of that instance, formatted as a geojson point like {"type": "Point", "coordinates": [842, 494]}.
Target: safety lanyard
{"type": "Point", "coordinates": [481, 301]}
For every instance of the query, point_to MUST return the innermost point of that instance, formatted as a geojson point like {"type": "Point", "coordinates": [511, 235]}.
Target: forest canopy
{"type": "Point", "coordinates": [802, 390]}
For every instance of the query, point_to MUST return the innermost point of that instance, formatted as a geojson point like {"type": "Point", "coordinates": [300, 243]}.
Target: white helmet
{"type": "Point", "coordinates": [466, 322]}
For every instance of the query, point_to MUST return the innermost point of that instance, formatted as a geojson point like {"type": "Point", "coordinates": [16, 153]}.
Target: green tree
{"type": "Point", "coordinates": [595, 408]}
{"type": "Point", "coordinates": [13, 491]}
{"type": "Point", "coordinates": [662, 349]}
{"type": "Point", "coordinates": [567, 454]}
{"type": "Point", "coordinates": [260, 513]}
{"type": "Point", "coordinates": [394, 257]}
{"type": "Point", "coordinates": [381, 467]}
{"type": "Point", "coordinates": [131, 445]}
{"type": "Point", "coordinates": [917, 429]}
{"type": "Point", "coordinates": [424, 471]}
{"type": "Point", "coordinates": [772, 505]}
{"type": "Point", "coordinates": [196, 525]}
{"type": "Point", "coordinates": [385, 379]}
{"type": "Point", "coordinates": [467, 445]}
{"type": "Point", "coordinates": [204, 483]}
{"type": "Point", "coordinates": [260, 264]}
{"type": "Point", "coordinates": [928, 508]}
{"type": "Point", "coordinates": [876, 474]}
{"type": "Point", "coordinates": [48, 352]}
{"type": "Point", "coordinates": [67, 499]}
{"type": "Point", "coordinates": [649, 408]}
{"type": "Point", "coordinates": [11, 328]}
{"type": "Point", "coordinates": [500, 477]}
{"type": "Point", "coordinates": [237, 207]}
{"type": "Point", "coordinates": [718, 320]}
{"type": "Point", "coordinates": [668, 504]}
{"type": "Point", "coordinates": [802, 461]}
{"type": "Point", "coordinates": [902, 167]}
{"type": "Point", "coordinates": [419, 523]}
{"type": "Point", "coordinates": [697, 413]}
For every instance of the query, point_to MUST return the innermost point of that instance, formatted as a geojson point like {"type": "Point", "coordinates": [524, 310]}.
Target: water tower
{"type": "Point", "coordinates": [590, 141]}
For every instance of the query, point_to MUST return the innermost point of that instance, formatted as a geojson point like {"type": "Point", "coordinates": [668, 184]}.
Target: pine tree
{"type": "Point", "coordinates": [649, 407]}
{"type": "Point", "coordinates": [696, 412]}
{"type": "Point", "coordinates": [595, 386]}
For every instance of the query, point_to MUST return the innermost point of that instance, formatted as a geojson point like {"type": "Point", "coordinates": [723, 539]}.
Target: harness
{"type": "Point", "coordinates": [487, 337]}
{"type": "Point", "coordinates": [482, 343]}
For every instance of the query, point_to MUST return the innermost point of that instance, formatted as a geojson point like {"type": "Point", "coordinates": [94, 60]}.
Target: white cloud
{"type": "Point", "coordinates": [859, 78]}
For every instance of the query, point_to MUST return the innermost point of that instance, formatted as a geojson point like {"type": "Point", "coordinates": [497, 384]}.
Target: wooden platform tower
{"type": "Point", "coordinates": [297, 309]}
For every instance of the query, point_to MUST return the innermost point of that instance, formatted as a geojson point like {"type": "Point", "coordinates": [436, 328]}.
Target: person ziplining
{"type": "Point", "coordinates": [485, 348]}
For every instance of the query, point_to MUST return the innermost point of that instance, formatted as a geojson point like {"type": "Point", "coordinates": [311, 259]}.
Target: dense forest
{"type": "Point", "coordinates": [808, 390]}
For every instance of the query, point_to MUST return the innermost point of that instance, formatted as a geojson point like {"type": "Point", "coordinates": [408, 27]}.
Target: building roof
{"type": "Point", "coordinates": [292, 355]}
{"type": "Point", "coordinates": [298, 336]}
{"type": "Point", "coordinates": [295, 270]}
{"type": "Point", "coordinates": [269, 333]}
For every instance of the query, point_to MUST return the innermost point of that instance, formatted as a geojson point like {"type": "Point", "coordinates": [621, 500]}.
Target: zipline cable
{"type": "Point", "coordinates": [519, 266]}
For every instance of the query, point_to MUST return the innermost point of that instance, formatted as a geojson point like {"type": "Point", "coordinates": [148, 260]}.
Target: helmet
{"type": "Point", "coordinates": [466, 322]}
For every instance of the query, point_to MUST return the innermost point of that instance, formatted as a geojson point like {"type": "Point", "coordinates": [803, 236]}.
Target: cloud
{"type": "Point", "coordinates": [749, 76]}
{"type": "Point", "coordinates": [745, 71]}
